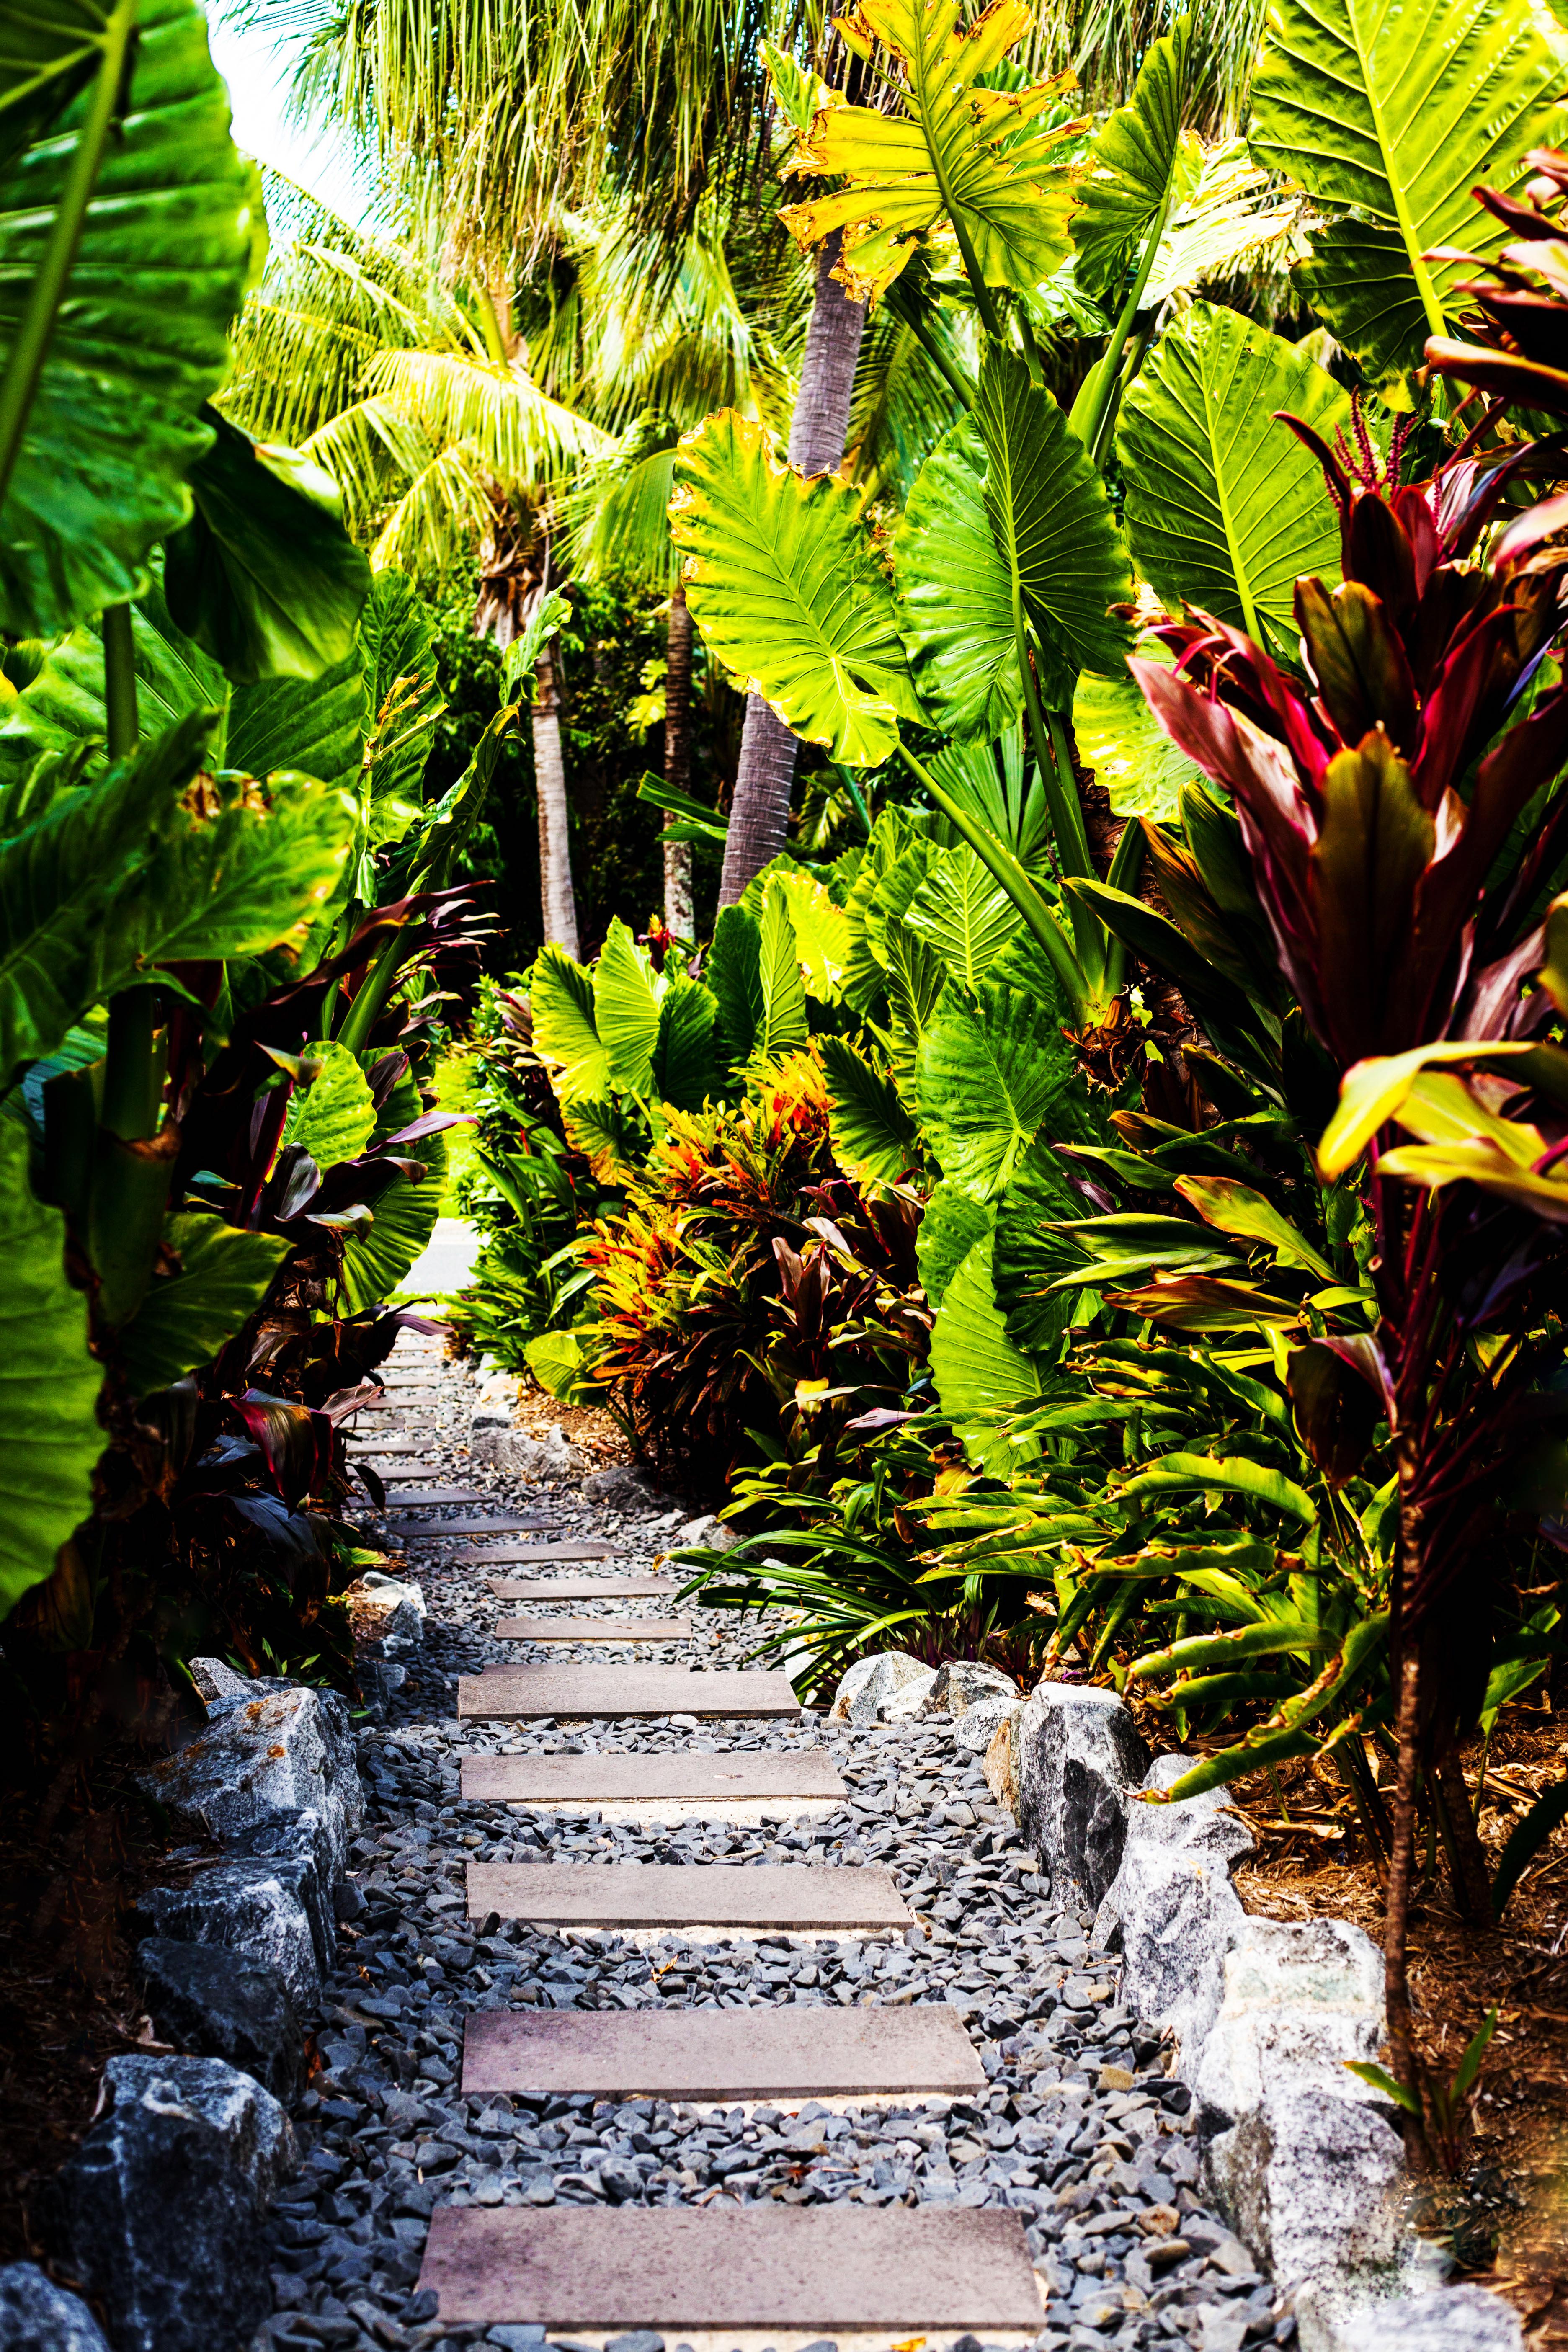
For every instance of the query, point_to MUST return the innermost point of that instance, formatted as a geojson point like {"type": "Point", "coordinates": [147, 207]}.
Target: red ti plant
{"type": "Point", "coordinates": [1402, 816]}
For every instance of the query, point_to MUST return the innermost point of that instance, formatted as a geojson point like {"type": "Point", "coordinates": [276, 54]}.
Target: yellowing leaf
{"type": "Point", "coordinates": [981, 156]}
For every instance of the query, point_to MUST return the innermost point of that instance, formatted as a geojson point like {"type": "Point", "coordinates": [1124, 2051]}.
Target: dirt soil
{"type": "Point", "coordinates": [1507, 2219]}
{"type": "Point", "coordinates": [588, 1427]}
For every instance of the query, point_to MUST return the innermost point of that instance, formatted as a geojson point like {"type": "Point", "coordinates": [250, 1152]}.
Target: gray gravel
{"type": "Point", "coordinates": [1080, 2129]}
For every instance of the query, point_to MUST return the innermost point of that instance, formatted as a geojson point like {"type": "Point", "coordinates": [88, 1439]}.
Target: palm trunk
{"type": "Point", "coordinates": [558, 905]}
{"type": "Point", "coordinates": [759, 816]}
{"type": "Point", "coordinates": [678, 910]}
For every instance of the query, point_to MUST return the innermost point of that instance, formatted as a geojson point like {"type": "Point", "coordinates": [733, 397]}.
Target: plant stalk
{"type": "Point", "coordinates": [1091, 411]}
{"type": "Point", "coordinates": [1401, 1866]}
{"type": "Point", "coordinates": [124, 728]}
{"type": "Point", "coordinates": [34, 335]}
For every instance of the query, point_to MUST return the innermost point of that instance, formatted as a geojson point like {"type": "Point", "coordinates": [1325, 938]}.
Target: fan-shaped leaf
{"type": "Point", "coordinates": [1225, 508]}
{"type": "Point", "coordinates": [955, 595]}
{"type": "Point", "coordinates": [333, 1116]}
{"type": "Point", "coordinates": [1398, 112]}
{"type": "Point", "coordinates": [821, 932]}
{"type": "Point", "coordinates": [732, 969]}
{"type": "Point", "coordinates": [185, 1318]}
{"type": "Point", "coordinates": [1134, 163]}
{"type": "Point", "coordinates": [987, 1068]}
{"type": "Point", "coordinates": [873, 1134]}
{"type": "Point", "coordinates": [1052, 521]}
{"type": "Point", "coordinates": [785, 585]}
{"type": "Point", "coordinates": [684, 1072]}
{"type": "Point", "coordinates": [784, 1025]}
{"type": "Point", "coordinates": [626, 992]}
{"type": "Point", "coordinates": [141, 338]}
{"type": "Point", "coordinates": [986, 152]}
{"type": "Point", "coordinates": [974, 1364]}
{"type": "Point", "coordinates": [963, 911]}
{"type": "Point", "coordinates": [953, 1222]}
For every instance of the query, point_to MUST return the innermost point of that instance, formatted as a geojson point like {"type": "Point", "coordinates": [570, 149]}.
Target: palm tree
{"type": "Point", "coordinates": [416, 398]}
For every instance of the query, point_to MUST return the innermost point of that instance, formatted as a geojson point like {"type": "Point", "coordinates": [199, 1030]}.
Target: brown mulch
{"type": "Point", "coordinates": [1507, 2220]}
{"type": "Point", "coordinates": [588, 1427]}
{"type": "Point", "coordinates": [68, 1999]}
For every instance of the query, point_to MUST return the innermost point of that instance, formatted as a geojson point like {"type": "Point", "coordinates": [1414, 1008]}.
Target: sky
{"type": "Point", "coordinates": [258, 87]}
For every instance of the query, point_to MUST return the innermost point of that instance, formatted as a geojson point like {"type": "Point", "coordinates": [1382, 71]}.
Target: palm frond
{"type": "Point", "coordinates": [525, 438]}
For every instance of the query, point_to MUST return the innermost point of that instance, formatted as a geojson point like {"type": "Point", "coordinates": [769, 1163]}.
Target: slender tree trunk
{"type": "Point", "coordinates": [678, 913]}
{"type": "Point", "coordinates": [1467, 1856]}
{"type": "Point", "coordinates": [759, 816]}
{"type": "Point", "coordinates": [558, 905]}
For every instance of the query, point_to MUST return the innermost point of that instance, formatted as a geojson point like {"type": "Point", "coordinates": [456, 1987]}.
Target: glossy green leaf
{"type": "Point", "coordinates": [1132, 757]}
{"type": "Point", "coordinates": [141, 340]}
{"type": "Point", "coordinates": [63, 707]}
{"type": "Point", "coordinates": [962, 912]}
{"type": "Point", "coordinates": [732, 969]}
{"type": "Point", "coordinates": [683, 1072]}
{"type": "Point", "coordinates": [375, 1263]}
{"type": "Point", "coordinates": [1028, 1256]}
{"type": "Point", "coordinates": [784, 1024]}
{"type": "Point", "coordinates": [333, 1117]}
{"type": "Point", "coordinates": [1394, 115]}
{"type": "Point", "coordinates": [975, 1366]}
{"type": "Point", "coordinates": [314, 726]}
{"type": "Point", "coordinates": [988, 1067]}
{"type": "Point", "coordinates": [186, 1319]}
{"type": "Point", "coordinates": [608, 1131]}
{"type": "Point", "coordinates": [955, 595]}
{"type": "Point", "coordinates": [403, 704]}
{"type": "Point", "coordinates": [874, 1138]}
{"type": "Point", "coordinates": [48, 1381]}
{"type": "Point", "coordinates": [787, 588]}
{"type": "Point", "coordinates": [264, 577]}
{"type": "Point", "coordinates": [1225, 508]}
{"type": "Point", "coordinates": [1175, 1474]}
{"type": "Point", "coordinates": [246, 867]}
{"type": "Point", "coordinates": [626, 992]}
{"type": "Point", "coordinates": [1134, 166]}
{"type": "Point", "coordinates": [561, 996]}
{"type": "Point", "coordinates": [556, 1360]}
{"type": "Point", "coordinates": [1235, 1207]}
{"type": "Point", "coordinates": [48, 53]}
{"type": "Point", "coordinates": [953, 1222]}
{"type": "Point", "coordinates": [821, 931]}
{"type": "Point", "coordinates": [1052, 522]}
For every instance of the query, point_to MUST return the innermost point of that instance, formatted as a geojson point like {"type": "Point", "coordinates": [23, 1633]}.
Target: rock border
{"type": "Point", "coordinates": [1302, 2161]}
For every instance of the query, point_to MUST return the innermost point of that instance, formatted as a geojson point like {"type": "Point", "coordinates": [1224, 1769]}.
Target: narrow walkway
{"type": "Point", "coordinates": [866, 2085]}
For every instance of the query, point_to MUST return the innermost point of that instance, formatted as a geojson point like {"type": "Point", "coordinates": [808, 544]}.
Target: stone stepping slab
{"type": "Point", "coordinates": [521, 1691]}
{"type": "Point", "coordinates": [593, 1629]}
{"type": "Point", "coordinates": [361, 1445]}
{"type": "Point", "coordinates": [395, 1398]}
{"type": "Point", "coordinates": [626, 1587]}
{"type": "Point", "coordinates": [693, 1784]}
{"type": "Point", "coordinates": [797, 1897]}
{"type": "Point", "coordinates": [429, 1498]}
{"type": "Point", "coordinates": [542, 1552]}
{"type": "Point", "coordinates": [505, 1523]}
{"type": "Point", "coordinates": [796, 2271]}
{"type": "Point", "coordinates": [793, 2054]}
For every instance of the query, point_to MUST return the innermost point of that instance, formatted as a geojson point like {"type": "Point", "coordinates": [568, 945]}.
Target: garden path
{"type": "Point", "coordinates": [709, 2025]}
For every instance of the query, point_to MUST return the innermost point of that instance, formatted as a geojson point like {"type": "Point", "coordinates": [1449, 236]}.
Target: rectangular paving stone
{"type": "Point", "coordinates": [626, 1587]}
{"type": "Point", "coordinates": [798, 1896]}
{"type": "Point", "coordinates": [593, 1629]}
{"type": "Point", "coordinates": [362, 1441]}
{"type": "Point", "coordinates": [399, 1395]}
{"type": "Point", "coordinates": [427, 1498]}
{"type": "Point", "coordinates": [793, 2053]}
{"type": "Point", "coordinates": [610, 1691]}
{"type": "Point", "coordinates": [693, 1777]}
{"type": "Point", "coordinates": [543, 1552]}
{"type": "Point", "coordinates": [505, 1523]}
{"type": "Point", "coordinates": [818, 2270]}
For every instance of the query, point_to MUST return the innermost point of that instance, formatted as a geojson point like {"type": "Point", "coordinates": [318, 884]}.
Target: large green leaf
{"type": "Point", "coordinates": [1132, 757]}
{"type": "Point", "coordinates": [1028, 1257]}
{"type": "Point", "coordinates": [186, 1318]}
{"type": "Point", "coordinates": [245, 867]}
{"type": "Point", "coordinates": [314, 726]}
{"type": "Point", "coordinates": [821, 929]}
{"type": "Point", "coordinates": [787, 588]}
{"type": "Point", "coordinates": [403, 704]}
{"type": "Point", "coordinates": [1135, 165]}
{"type": "Point", "coordinates": [333, 1117]}
{"type": "Point", "coordinates": [48, 53]}
{"type": "Point", "coordinates": [264, 577]}
{"type": "Point", "coordinates": [48, 1381]}
{"type": "Point", "coordinates": [982, 155]}
{"type": "Point", "coordinates": [377, 1262]}
{"type": "Point", "coordinates": [560, 997]}
{"type": "Point", "coordinates": [953, 1222]}
{"type": "Point", "coordinates": [961, 910]}
{"type": "Point", "coordinates": [873, 1134]}
{"type": "Point", "coordinates": [684, 1072]}
{"type": "Point", "coordinates": [1396, 114]}
{"type": "Point", "coordinates": [974, 1364]}
{"type": "Point", "coordinates": [784, 1024]}
{"type": "Point", "coordinates": [140, 339]}
{"type": "Point", "coordinates": [1052, 522]}
{"type": "Point", "coordinates": [63, 707]}
{"type": "Point", "coordinates": [1225, 507]}
{"type": "Point", "coordinates": [732, 969]}
{"type": "Point", "coordinates": [955, 595]}
{"type": "Point", "coordinates": [987, 1068]}
{"type": "Point", "coordinates": [626, 992]}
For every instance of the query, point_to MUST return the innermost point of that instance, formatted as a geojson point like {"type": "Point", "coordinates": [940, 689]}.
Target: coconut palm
{"type": "Point", "coordinates": [416, 398]}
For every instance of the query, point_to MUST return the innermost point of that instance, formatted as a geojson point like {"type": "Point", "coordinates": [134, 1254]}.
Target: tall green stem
{"type": "Point", "coordinates": [1014, 880]}
{"type": "Point", "coordinates": [34, 335]}
{"type": "Point", "coordinates": [124, 729]}
{"type": "Point", "coordinates": [1091, 411]}
{"type": "Point", "coordinates": [1055, 764]}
